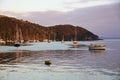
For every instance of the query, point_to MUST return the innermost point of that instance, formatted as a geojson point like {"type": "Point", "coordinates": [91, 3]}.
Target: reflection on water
{"type": "Point", "coordinates": [99, 52]}
{"type": "Point", "coordinates": [6, 58]}
{"type": "Point", "coordinates": [18, 56]}
{"type": "Point", "coordinates": [68, 64]}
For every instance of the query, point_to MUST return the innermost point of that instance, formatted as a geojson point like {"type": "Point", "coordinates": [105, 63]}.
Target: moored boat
{"type": "Point", "coordinates": [97, 47]}
{"type": "Point", "coordinates": [75, 42]}
{"type": "Point", "coordinates": [19, 38]}
{"type": "Point", "coordinates": [48, 62]}
{"type": "Point", "coordinates": [16, 44]}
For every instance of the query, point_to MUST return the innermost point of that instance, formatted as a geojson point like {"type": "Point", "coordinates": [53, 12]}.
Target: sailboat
{"type": "Point", "coordinates": [54, 35]}
{"type": "Point", "coordinates": [17, 44]}
{"type": "Point", "coordinates": [49, 32]}
{"type": "Point", "coordinates": [62, 39]}
{"type": "Point", "coordinates": [18, 37]}
{"type": "Point", "coordinates": [49, 39]}
{"type": "Point", "coordinates": [75, 42]}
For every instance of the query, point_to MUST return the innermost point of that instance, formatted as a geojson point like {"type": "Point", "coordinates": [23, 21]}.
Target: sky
{"type": "Point", "coordinates": [102, 17]}
{"type": "Point", "coordinates": [45, 5]}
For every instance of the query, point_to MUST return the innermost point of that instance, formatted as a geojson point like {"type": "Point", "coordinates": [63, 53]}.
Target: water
{"type": "Point", "coordinates": [68, 62]}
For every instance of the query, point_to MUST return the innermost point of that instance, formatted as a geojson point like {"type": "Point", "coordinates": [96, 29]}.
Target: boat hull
{"type": "Point", "coordinates": [16, 45]}
{"type": "Point", "coordinates": [96, 48]}
{"type": "Point", "coordinates": [75, 42]}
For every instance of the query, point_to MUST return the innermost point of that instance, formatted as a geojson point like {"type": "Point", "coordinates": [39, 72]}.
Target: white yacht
{"type": "Point", "coordinates": [97, 47]}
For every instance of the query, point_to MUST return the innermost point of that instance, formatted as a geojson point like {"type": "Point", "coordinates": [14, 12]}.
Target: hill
{"type": "Point", "coordinates": [68, 31]}
{"type": "Point", "coordinates": [33, 31]}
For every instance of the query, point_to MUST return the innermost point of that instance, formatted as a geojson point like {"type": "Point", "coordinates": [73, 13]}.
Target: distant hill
{"type": "Point", "coordinates": [69, 32]}
{"type": "Point", "coordinates": [32, 31]}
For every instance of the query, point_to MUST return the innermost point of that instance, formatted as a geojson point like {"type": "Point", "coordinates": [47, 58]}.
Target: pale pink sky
{"type": "Point", "coordinates": [102, 17]}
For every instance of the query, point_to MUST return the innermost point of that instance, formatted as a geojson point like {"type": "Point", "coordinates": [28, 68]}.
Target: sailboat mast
{"type": "Point", "coordinates": [75, 33]}
{"type": "Point", "coordinates": [17, 32]}
{"type": "Point", "coordinates": [54, 34]}
{"type": "Point", "coordinates": [21, 37]}
{"type": "Point", "coordinates": [75, 42]}
{"type": "Point", "coordinates": [63, 37]}
{"type": "Point", "coordinates": [49, 32]}
{"type": "Point", "coordinates": [17, 44]}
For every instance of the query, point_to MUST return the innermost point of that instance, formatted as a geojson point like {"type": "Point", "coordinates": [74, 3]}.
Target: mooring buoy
{"type": "Point", "coordinates": [48, 62]}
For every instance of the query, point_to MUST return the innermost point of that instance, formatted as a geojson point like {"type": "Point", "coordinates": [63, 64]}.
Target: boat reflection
{"type": "Point", "coordinates": [18, 56]}
{"type": "Point", "coordinates": [6, 57]}
{"type": "Point", "coordinates": [13, 57]}
{"type": "Point", "coordinates": [97, 52]}
{"type": "Point", "coordinates": [75, 46]}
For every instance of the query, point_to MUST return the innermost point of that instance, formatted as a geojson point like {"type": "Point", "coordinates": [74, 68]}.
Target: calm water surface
{"type": "Point", "coordinates": [68, 62]}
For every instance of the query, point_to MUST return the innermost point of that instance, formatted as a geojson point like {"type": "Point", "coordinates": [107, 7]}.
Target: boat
{"type": "Point", "coordinates": [17, 44]}
{"type": "Point", "coordinates": [97, 47]}
{"type": "Point", "coordinates": [49, 41]}
{"type": "Point", "coordinates": [49, 33]}
{"type": "Point", "coordinates": [48, 62]}
{"type": "Point", "coordinates": [19, 38]}
{"type": "Point", "coordinates": [62, 39]}
{"type": "Point", "coordinates": [75, 42]}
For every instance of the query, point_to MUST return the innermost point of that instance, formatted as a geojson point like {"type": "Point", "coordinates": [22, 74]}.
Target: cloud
{"type": "Point", "coordinates": [45, 5]}
{"type": "Point", "coordinates": [88, 3]}
{"type": "Point", "coordinates": [102, 20]}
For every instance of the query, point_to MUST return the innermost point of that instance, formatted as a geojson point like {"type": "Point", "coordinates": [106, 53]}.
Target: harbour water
{"type": "Point", "coordinates": [69, 62]}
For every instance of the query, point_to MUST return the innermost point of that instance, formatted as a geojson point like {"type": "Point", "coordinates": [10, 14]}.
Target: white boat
{"type": "Point", "coordinates": [49, 41]}
{"type": "Point", "coordinates": [97, 47]}
{"type": "Point", "coordinates": [75, 42]}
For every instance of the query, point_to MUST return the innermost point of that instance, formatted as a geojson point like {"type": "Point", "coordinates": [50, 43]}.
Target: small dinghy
{"type": "Point", "coordinates": [48, 62]}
